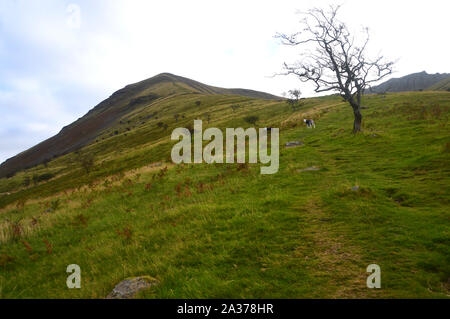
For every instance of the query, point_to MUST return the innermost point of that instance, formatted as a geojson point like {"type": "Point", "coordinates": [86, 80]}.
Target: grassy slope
{"type": "Point", "coordinates": [227, 231]}
{"type": "Point", "coordinates": [139, 141]}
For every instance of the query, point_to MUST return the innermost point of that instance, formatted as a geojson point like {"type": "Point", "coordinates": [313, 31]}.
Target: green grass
{"type": "Point", "coordinates": [223, 231]}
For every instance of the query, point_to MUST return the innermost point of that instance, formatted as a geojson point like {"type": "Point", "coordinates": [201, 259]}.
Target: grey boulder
{"type": "Point", "coordinates": [129, 287]}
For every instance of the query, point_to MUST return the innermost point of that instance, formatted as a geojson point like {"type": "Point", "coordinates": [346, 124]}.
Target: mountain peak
{"type": "Point", "coordinates": [411, 82]}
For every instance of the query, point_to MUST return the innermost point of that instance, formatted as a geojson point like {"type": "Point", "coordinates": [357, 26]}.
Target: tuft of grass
{"type": "Point", "coordinates": [55, 204]}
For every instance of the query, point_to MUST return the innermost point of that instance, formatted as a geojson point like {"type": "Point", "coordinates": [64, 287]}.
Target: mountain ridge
{"type": "Point", "coordinates": [411, 82]}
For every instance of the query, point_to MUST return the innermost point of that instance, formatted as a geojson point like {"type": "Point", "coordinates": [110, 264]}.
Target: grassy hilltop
{"type": "Point", "coordinates": [224, 230]}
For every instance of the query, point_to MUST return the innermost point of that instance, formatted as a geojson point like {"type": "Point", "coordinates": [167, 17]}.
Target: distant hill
{"type": "Point", "coordinates": [412, 82]}
{"type": "Point", "coordinates": [108, 113]}
{"type": "Point", "coordinates": [443, 85]}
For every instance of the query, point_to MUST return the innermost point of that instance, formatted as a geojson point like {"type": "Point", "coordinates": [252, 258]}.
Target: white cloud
{"type": "Point", "coordinates": [73, 19]}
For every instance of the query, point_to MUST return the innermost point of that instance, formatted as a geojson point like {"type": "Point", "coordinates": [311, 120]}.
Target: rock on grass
{"type": "Point", "coordinates": [129, 287]}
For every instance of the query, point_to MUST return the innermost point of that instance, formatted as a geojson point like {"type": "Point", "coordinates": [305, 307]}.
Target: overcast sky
{"type": "Point", "coordinates": [58, 59]}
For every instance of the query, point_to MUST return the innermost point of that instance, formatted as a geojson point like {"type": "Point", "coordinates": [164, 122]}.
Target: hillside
{"type": "Point", "coordinates": [338, 203]}
{"type": "Point", "coordinates": [412, 82]}
{"type": "Point", "coordinates": [443, 85]}
{"type": "Point", "coordinates": [107, 115]}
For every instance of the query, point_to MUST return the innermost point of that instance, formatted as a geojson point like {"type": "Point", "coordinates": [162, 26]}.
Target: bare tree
{"type": "Point", "coordinates": [338, 62]}
{"type": "Point", "coordinates": [294, 97]}
{"type": "Point", "coordinates": [295, 94]}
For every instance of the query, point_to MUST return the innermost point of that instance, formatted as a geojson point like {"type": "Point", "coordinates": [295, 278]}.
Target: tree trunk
{"type": "Point", "coordinates": [358, 119]}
